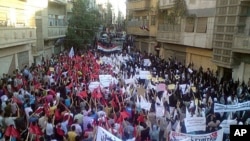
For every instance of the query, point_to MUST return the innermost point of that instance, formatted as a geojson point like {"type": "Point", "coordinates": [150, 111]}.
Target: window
{"type": "Point", "coordinates": [201, 25]}
{"type": "Point", "coordinates": [190, 24]}
{"type": "Point", "coordinates": [152, 20]}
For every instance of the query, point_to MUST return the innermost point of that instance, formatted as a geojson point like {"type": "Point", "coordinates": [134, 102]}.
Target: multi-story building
{"type": "Point", "coordinates": [51, 24]}
{"type": "Point", "coordinates": [231, 46]}
{"type": "Point", "coordinates": [187, 35]}
{"type": "Point", "coordinates": [18, 33]}
{"type": "Point", "coordinates": [142, 23]}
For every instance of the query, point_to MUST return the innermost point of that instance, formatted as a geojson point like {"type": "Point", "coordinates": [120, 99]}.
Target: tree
{"type": "Point", "coordinates": [82, 25]}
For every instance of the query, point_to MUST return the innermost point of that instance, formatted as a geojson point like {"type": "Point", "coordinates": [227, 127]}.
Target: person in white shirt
{"type": "Point", "coordinates": [49, 129]}
{"type": "Point", "coordinates": [78, 127]}
{"type": "Point", "coordinates": [27, 110]}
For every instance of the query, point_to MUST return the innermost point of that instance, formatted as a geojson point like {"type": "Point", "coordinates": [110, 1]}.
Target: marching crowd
{"type": "Point", "coordinates": [53, 101]}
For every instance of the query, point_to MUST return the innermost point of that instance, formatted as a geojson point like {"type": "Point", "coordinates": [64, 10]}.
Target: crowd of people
{"type": "Point", "coordinates": [53, 101]}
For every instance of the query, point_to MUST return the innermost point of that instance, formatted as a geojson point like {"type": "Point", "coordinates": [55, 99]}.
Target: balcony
{"type": "Point", "coordinates": [133, 27]}
{"type": "Point", "coordinates": [59, 1]}
{"type": "Point", "coordinates": [241, 44]}
{"type": "Point", "coordinates": [12, 36]}
{"type": "Point", "coordinates": [56, 32]}
{"type": "Point", "coordinates": [169, 33]}
{"type": "Point", "coordinates": [166, 4]}
{"type": "Point", "coordinates": [138, 5]}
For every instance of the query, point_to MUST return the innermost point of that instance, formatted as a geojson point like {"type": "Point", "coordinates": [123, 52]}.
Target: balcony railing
{"type": "Point", "coordinates": [138, 4]}
{"type": "Point", "coordinates": [11, 36]}
{"type": "Point", "coordinates": [169, 33]}
{"type": "Point", "coordinates": [133, 27]}
{"type": "Point", "coordinates": [56, 31]}
{"type": "Point", "coordinates": [241, 44]}
{"type": "Point", "coordinates": [165, 4]}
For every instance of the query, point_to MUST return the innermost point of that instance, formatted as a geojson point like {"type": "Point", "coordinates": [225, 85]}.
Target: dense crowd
{"type": "Point", "coordinates": [52, 100]}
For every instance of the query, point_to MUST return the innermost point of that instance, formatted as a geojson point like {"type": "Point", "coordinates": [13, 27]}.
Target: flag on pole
{"type": "Point", "coordinates": [71, 53]}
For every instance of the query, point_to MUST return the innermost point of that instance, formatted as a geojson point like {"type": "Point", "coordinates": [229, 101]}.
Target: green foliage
{"type": "Point", "coordinates": [179, 10]}
{"type": "Point", "coordinates": [82, 24]}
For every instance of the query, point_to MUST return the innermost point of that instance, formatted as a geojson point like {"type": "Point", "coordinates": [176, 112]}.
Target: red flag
{"type": "Point", "coordinates": [135, 131]}
{"type": "Point", "coordinates": [97, 93]}
{"type": "Point", "coordinates": [52, 92]}
{"type": "Point", "coordinates": [124, 114]}
{"type": "Point", "coordinates": [16, 100]}
{"type": "Point", "coordinates": [83, 94]}
{"type": "Point", "coordinates": [140, 118]}
{"type": "Point", "coordinates": [39, 110]}
{"type": "Point", "coordinates": [35, 129]}
{"type": "Point", "coordinates": [12, 132]}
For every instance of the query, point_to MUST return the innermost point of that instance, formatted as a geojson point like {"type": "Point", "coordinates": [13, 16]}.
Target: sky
{"type": "Point", "coordinates": [117, 5]}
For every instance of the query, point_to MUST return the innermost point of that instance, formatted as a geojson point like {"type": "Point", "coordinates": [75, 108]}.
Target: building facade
{"type": "Point", "coordinates": [231, 46]}
{"type": "Point", "coordinates": [18, 33]}
{"type": "Point", "coordinates": [185, 31]}
{"type": "Point", "coordinates": [142, 23]}
{"type": "Point", "coordinates": [51, 25]}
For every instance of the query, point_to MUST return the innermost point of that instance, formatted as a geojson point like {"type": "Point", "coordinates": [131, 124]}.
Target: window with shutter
{"type": "Point", "coordinates": [201, 25]}
{"type": "Point", "coordinates": [190, 25]}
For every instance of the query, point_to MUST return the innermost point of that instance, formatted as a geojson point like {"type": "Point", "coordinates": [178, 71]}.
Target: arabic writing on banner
{"type": "Point", "coordinates": [231, 108]}
{"type": "Point", "coordinates": [195, 124]}
{"type": "Point", "coordinates": [225, 124]}
{"type": "Point", "coordinates": [214, 136]}
{"type": "Point", "coordinates": [104, 135]}
{"type": "Point", "coordinates": [105, 80]}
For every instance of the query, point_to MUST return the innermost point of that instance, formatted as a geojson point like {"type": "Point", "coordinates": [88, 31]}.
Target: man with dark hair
{"type": "Point", "coordinates": [71, 135]}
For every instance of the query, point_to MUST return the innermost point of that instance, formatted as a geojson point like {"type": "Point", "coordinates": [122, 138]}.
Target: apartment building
{"type": "Point", "coordinates": [231, 46]}
{"type": "Point", "coordinates": [18, 33]}
{"type": "Point", "coordinates": [51, 24]}
{"type": "Point", "coordinates": [187, 35]}
{"type": "Point", "coordinates": [142, 23]}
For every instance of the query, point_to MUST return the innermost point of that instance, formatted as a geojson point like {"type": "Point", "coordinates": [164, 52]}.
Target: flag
{"type": "Point", "coordinates": [12, 132]}
{"type": "Point", "coordinates": [71, 53]}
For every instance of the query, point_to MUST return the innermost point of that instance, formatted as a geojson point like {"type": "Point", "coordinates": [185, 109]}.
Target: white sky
{"type": "Point", "coordinates": [116, 4]}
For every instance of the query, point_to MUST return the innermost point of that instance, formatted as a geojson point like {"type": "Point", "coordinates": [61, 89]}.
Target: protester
{"type": "Point", "coordinates": [132, 96]}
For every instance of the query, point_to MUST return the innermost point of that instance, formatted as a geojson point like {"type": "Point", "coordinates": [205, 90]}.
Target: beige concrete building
{"type": "Point", "coordinates": [51, 24]}
{"type": "Point", "coordinates": [142, 23]}
{"type": "Point", "coordinates": [189, 38]}
{"type": "Point", "coordinates": [18, 33]}
{"type": "Point", "coordinates": [231, 46]}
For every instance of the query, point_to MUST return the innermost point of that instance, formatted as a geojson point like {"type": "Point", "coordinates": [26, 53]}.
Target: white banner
{"type": "Point", "coordinates": [105, 80]}
{"type": "Point", "coordinates": [195, 124]}
{"type": "Point", "coordinates": [104, 135]}
{"type": "Point", "coordinates": [93, 85]}
{"type": "Point", "coordinates": [110, 49]}
{"type": "Point", "coordinates": [231, 108]}
{"type": "Point", "coordinates": [225, 124]}
{"type": "Point", "coordinates": [144, 74]}
{"type": "Point", "coordinates": [214, 136]}
{"type": "Point", "coordinates": [159, 110]}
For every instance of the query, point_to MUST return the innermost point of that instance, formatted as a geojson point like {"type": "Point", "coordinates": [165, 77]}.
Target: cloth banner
{"type": "Point", "coordinates": [146, 62]}
{"type": "Point", "coordinates": [93, 85]}
{"type": "Point", "coordinates": [160, 87]}
{"type": "Point", "coordinates": [214, 136]}
{"type": "Point", "coordinates": [104, 135]}
{"type": "Point", "coordinates": [110, 49]}
{"type": "Point", "coordinates": [144, 74]}
{"type": "Point", "coordinates": [225, 124]}
{"type": "Point", "coordinates": [231, 108]}
{"type": "Point", "coordinates": [129, 81]}
{"type": "Point", "coordinates": [195, 124]}
{"type": "Point", "coordinates": [105, 80]}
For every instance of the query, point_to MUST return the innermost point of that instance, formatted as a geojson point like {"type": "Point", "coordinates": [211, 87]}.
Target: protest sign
{"type": "Point", "coordinates": [171, 86]}
{"type": "Point", "coordinates": [214, 136]}
{"type": "Point", "coordinates": [159, 110]}
{"type": "Point", "coordinates": [51, 69]}
{"type": "Point", "coordinates": [104, 135]}
{"type": "Point", "coordinates": [225, 125]}
{"type": "Point", "coordinates": [93, 85]}
{"type": "Point", "coordinates": [140, 91]}
{"type": "Point", "coordinates": [145, 104]}
{"type": "Point", "coordinates": [231, 108]}
{"type": "Point", "coordinates": [183, 88]}
{"type": "Point", "coordinates": [195, 124]}
{"type": "Point", "coordinates": [144, 74]}
{"type": "Point", "coordinates": [105, 80]}
{"type": "Point", "coordinates": [160, 87]}
{"type": "Point", "coordinates": [146, 62]}
{"type": "Point", "coordinates": [129, 81]}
